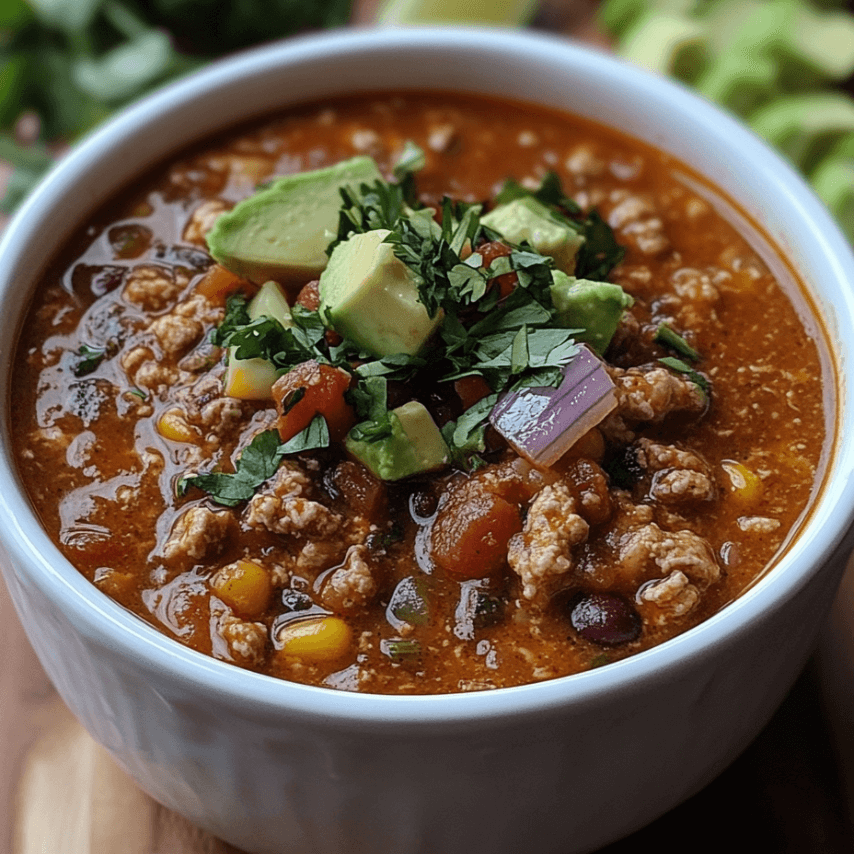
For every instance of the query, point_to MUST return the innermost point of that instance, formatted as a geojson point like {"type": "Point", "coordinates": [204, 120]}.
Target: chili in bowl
{"type": "Point", "coordinates": [499, 391]}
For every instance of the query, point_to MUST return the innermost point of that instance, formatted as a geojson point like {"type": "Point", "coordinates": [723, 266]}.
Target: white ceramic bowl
{"type": "Point", "coordinates": [562, 766]}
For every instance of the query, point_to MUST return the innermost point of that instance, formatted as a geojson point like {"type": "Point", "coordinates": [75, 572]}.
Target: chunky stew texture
{"type": "Point", "coordinates": [368, 520]}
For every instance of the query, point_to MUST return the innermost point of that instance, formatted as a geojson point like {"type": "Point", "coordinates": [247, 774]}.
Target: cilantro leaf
{"type": "Point", "coordinates": [682, 368]}
{"type": "Point", "coordinates": [667, 336]}
{"type": "Point", "coordinates": [266, 338]}
{"type": "Point", "coordinates": [316, 435]}
{"type": "Point", "coordinates": [399, 366]}
{"type": "Point", "coordinates": [550, 193]}
{"type": "Point", "coordinates": [236, 316]}
{"type": "Point", "coordinates": [600, 252]}
{"type": "Point", "coordinates": [371, 206]}
{"type": "Point", "coordinates": [466, 435]}
{"type": "Point", "coordinates": [412, 159]}
{"type": "Point", "coordinates": [370, 399]}
{"type": "Point", "coordinates": [519, 353]}
{"type": "Point", "coordinates": [89, 359]}
{"type": "Point", "coordinates": [258, 462]}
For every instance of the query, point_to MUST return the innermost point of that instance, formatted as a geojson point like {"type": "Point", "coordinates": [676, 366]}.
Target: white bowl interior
{"type": "Point", "coordinates": [500, 63]}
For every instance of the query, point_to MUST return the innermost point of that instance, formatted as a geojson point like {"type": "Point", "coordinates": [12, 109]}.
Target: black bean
{"type": "Point", "coordinates": [129, 240]}
{"type": "Point", "coordinates": [605, 618]}
{"type": "Point", "coordinates": [488, 610]}
{"type": "Point", "coordinates": [422, 504]}
{"type": "Point", "coordinates": [624, 469]}
{"type": "Point", "coordinates": [187, 257]}
{"type": "Point", "coordinates": [99, 280]}
{"type": "Point", "coordinates": [296, 600]}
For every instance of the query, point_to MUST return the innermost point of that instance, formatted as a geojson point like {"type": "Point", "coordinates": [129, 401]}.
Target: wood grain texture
{"type": "Point", "coordinates": [63, 792]}
{"type": "Point", "coordinates": [60, 793]}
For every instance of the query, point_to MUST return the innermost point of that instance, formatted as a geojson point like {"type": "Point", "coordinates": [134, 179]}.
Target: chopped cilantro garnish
{"type": "Point", "coordinates": [371, 402]}
{"type": "Point", "coordinates": [550, 193]}
{"type": "Point", "coordinates": [466, 435]}
{"type": "Point", "coordinates": [258, 462]}
{"type": "Point", "coordinates": [89, 359]}
{"type": "Point", "coordinates": [600, 252]}
{"type": "Point", "coordinates": [236, 316]}
{"type": "Point", "coordinates": [665, 335]}
{"type": "Point", "coordinates": [509, 340]}
{"type": "Point", "coordinates": [683, 368]}
{"type": "Point", "coordinates": [316, 435]}
{"type": "Point", "coordinates": [266, 338]}
{"type": "Point", "coordinates": [412, 159]}
{"type": "Point", "coordinates": [372, 206]}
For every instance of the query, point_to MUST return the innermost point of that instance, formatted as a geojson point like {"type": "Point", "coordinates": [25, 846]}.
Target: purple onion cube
{"type": "Point", "coordinates": [542, 424]}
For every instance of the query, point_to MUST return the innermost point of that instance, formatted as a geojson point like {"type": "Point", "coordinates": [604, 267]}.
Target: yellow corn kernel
{"type": "Point", "coordinates": [245, 587]}
{"type": "Point", "coordinates": [249, 379]}
{"type": "Point", "coordinates": [745, 486]}
{"type": "Point", "coordinates": [316, 639]}
{"type": "Point", "coordinates": [173, 425]}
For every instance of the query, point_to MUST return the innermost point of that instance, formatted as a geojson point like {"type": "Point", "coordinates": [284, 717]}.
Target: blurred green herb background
{"type": "Point", "coordinates": [65, 65]}
{"type": "Point", "coordinates": [784, 66]}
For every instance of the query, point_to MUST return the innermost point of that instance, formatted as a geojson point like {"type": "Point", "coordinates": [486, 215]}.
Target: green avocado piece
{"type": "Point", "coordinates": [528, 219]}
{"type": "Point", "coordinates": [594, 307]}
{"type": "Point", "coordinates": [271, 302]}
{"type": "Point", "coordinates": [415, 445]}
{"type": "Point", "coordinates": [252, 379]}
{"type": "Point", "coordinates": [282, 231]}
{"type": "Point", "coordinates": [371, 297]}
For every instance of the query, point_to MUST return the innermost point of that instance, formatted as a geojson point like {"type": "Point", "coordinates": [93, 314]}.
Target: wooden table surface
{"type": "Point", "coordinates": [60, 793]}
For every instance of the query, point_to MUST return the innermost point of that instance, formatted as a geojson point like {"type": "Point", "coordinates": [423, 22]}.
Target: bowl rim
{"type": "Point", "coordinates": [103, 620]}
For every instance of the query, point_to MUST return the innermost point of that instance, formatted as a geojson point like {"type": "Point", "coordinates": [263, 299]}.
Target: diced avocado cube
{"type": "Point", "coordinates": [252, 379]}
{"type": "Point", "coordinates": [371, 297]}
{"type": "Point", "coordinates": [529, 220]}
{"type": "Point", "coordinates": [594, 307]}
{"type": "Point", "coordinates": [282, 231]}
{"type": "Point", "coordinates": [270, 301]}
{"type": "Point", "coordinates": [414, 446]}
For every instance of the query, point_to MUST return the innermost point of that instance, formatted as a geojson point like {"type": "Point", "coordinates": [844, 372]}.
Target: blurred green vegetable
{"type": "Point", "coordinates": [72, 62]}
{"type": "Point", "coordinates": [776, 63]}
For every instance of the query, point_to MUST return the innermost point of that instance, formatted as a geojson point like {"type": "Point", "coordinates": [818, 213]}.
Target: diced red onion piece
{"type": "Point", "coordinates": [542, 424]}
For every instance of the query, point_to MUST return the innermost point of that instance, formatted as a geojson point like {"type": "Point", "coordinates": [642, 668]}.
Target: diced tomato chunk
{"type": "Point", "coordinates": [218, 284]}
{"type": "Point", "coordinates": [309, 296]}
{"type": "Point", "coordinates": [471, 533]}
{"type": "Point", "coordinates": [312, 389]}
{"type": "Point", "coordinates": [470, 390]}
{"type": "Point", "coordinates": [506, 283]}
